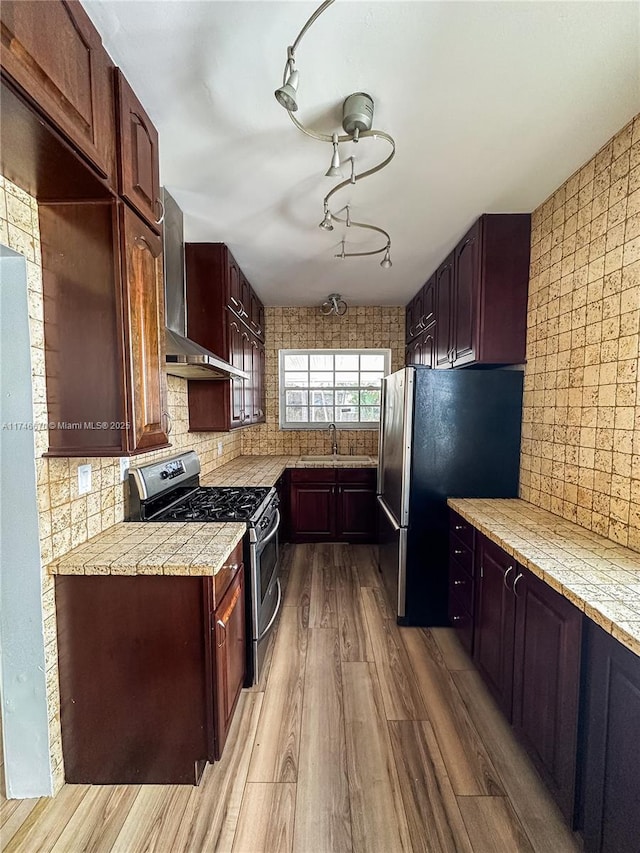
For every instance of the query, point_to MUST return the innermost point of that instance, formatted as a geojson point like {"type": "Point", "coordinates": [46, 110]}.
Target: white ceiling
{"type": "Point", "coordinates": [492, 106]}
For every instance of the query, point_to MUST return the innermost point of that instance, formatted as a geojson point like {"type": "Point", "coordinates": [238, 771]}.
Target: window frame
{"type": "Point", "coordinates": [371, 426]}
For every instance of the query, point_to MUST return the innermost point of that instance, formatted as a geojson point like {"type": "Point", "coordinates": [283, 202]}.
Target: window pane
{"type": "Point", "coordinates": [297, 398]}
{"type": "Point", "coordinates": [321, 380]}
{"type": "Point", "coordinates": [346, 362]}
{"type": "Point", "coordinates": [348, 398]}
{"type": "Point", "coordinates": [296, 362]}
{"type": "Point", "coordinates": [372, 362]}
{"type": "Point", "coordinates": [322, 398]}
{"type": "Point", "coordinates": [296, 380]}
{"type": "Point", "coordinates": [347, 379]}
{"type": "Point", "coordinates": [321, 362]}
{"type": "Point", "coordinates": [345, 414]}
{"type": "Point", "coordinates": [370, 413]}
{"type": "Point", "coordinates": [297, 414]}
{"type": "Point", "coordinates": [321, 414]}
{"type": "Point", "coordinates": [370, 398]}
{"type": "Point", "coordinates": [369, 379]}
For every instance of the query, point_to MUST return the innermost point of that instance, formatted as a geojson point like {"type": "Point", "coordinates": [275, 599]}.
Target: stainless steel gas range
{"type": "Point", "coordinates": [170, 490]}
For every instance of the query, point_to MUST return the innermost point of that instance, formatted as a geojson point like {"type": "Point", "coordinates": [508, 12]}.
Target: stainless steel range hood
{"type": "Point", "coordinates": [184, 357]}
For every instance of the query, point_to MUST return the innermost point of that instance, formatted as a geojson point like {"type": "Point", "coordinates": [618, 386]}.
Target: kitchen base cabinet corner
{"type": "Point", "coordinates": [610, 746]}
{"type": "Point", "coordinates": [150, 671]}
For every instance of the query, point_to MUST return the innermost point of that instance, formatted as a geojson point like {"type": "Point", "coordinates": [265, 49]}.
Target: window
{"type": "Point", "coordinates": [323, 386]}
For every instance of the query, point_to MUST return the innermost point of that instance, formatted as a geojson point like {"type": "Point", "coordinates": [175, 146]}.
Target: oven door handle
{"type": "Point", "coordinates": [264, 541]}
{"type": "Point", "coordinates": [275, 613]}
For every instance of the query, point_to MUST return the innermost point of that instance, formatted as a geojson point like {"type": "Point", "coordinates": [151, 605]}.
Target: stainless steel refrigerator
{"type": "Point", "coordinates": [443, 433]}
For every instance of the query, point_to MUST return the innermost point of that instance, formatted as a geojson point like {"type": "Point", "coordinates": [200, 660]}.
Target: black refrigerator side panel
{"type": "Point", "coordinates": [466, 444]}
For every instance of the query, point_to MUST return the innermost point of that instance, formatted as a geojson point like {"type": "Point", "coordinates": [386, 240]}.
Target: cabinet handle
{"type": "Point", "coordinates": [504, 579]}
{"type": "Point", "coordinates": [260, 413]}
{"type": "Point", "coordinates": [456, 618]}
{"type": "Point", "coordinates": [169, 422]}
{"type": "Point", "coordinates": [233, 567]}
{"type": "Point", "coordinates": [459, 527]}
{"type": "Point", "coordinates": [254, 344]}
{"type": "Point", "coordinates": [457, 550]}
{"type": "Point", "coordinates": [224, 628]}
{"type": "Point", "coordinates": [161, 220]}
{"type": "Point", "coordinates": [515, 583]}
{"type": "Point", "coordinates": [459, 583]}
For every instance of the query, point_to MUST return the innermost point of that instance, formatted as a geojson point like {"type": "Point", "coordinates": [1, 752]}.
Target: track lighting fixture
{"type": "Point", "coordinates": [357, 123]}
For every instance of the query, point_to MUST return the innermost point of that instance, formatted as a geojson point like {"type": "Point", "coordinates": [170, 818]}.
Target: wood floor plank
{"type": "Point", "coordinates": [322, 818]}
{"type": "Point", "coordinates": [468, 764]}
{"type": "Point", "coordinates": [46, 821]}
{"type": "Point", "coordinates": [98, 820]}
{"type": "Point", "coordinates": [18, 815]}
{"type": "Point", "coordinates": [366, 562]}
{"type": "Point", "coordinates": [355, 642]}
{"type": "Point", "coordinates": [400, 692]}
{"type": "Point", "coordinates": [493, 825]}
{"type": "Point", "coordinates": [266, 819]}
{"type": "Point", "coordinates": [531, 800]}
{"type": "Point", "coordinates": [323, 608]}
{"type": "Point", "coordinates": [153, 820]}
{"type": "Point", "coordinates": [453, 653]}
{"type": "Point", "coordinates": [433, 814]}
{"type": "Point", "coordinates": [9, 807]}
{"type": "Point", "coordinates": [276, 747]}
{"type": "Point", "coordinates": [298, 591]}
{"type": "Point", "coordinates": [211, 816]}
{"type": "Point", "coordinates": [378, 821]}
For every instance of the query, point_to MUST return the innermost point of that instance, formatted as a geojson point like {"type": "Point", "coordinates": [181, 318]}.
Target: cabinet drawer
{"type": "Point", "coordinates": [313, 475]}
{"type": "Point", "coordinates": [461, 585]}
{"type": "Point", "coordinates": [222, 579]}
{"type": "Point", "coordinates": [461, 554]}
{"type": "Point", "coordinates": [366, 476]}
{"type": "Point", "coordinates": [461, 528]}
{"type": "Point", "coordinates": [462, 621]}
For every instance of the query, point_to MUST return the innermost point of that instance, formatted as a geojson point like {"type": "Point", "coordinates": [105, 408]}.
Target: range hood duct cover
{"type": "Point", "coordinates": [184, 357]}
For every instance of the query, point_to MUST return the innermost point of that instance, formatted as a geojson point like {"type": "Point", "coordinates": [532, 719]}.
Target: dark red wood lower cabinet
{"type": "Point", "coordinates": [312, 512]}
{"type": "Point", "coordinates": [333, 505]}
{"type": "Point", "coordinates": [356, 513]}
{"type": "Point", "coordinates": [546, 684]}
{"type": "Point", "coordinates": [230, 657]}
{"type": "Point", "coordinates": [610, 746]}
{"type": "Point", "coordinates": [495, 620]}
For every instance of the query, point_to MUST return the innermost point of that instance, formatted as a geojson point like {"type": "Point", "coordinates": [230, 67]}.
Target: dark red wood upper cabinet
{"type": "Point", "coordinates": [610, 801]}
{"type": "Point", "coordinates": [546, 684]}
{"type": "Point", "coordinates": [444, 310]}
{"type": "Point", "coordinates": [466, 284]}
{"type": "Point", "coordinates": [54, 54]}
{"type": "Point", "coordinates": [230, 657]}
{"type": "Point", "coordinates": [429, 302]}
{"type": "Point", "coordinates": [142, 279]}
{"type": "Point", "coordinates": [493, 643]}
{"type": "Point", "coordinates": [138, 163]}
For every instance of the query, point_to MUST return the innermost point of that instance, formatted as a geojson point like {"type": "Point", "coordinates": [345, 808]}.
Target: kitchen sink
{"type": "Point", "coordinates": [335, 457]}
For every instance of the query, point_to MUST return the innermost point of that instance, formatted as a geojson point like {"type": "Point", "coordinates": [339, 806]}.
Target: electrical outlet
{"type": "Point", "coordinates": [124, 468]}
{"type": "Point", "coordinates": [219, 448]}
{"type": "Point", "coordinates": [84, 479]}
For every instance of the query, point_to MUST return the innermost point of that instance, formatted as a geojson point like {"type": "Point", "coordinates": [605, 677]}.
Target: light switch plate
{"type": "Point", "coordinates": [124, 468]}
{"type": "Point", "coordinates": [84, 479]}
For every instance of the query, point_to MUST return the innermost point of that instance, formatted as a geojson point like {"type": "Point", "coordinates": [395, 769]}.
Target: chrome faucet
{"type": "Point", "coordinates": [334, 433]}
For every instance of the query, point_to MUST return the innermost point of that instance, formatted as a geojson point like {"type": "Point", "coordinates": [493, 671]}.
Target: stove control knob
{"type": "Point", "coordinates": [164, 475]}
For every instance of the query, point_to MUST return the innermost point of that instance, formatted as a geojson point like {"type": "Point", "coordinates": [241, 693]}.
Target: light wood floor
{"type": "Point", "coordinates": [361, 736]}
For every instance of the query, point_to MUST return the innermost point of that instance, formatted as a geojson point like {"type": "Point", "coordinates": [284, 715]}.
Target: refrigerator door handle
{"type": "Point", "coordinates": [380, 484]}
{"type": "Point", "coordinates": [387, 512]}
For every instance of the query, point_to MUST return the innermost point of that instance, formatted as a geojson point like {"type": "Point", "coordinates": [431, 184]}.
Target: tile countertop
{"type": "Point", "coordinates": [597, 575]}
{"type": "Point", "coordinates": [153, 548]}
{"type": "Point", "coordinates": [266, 470]}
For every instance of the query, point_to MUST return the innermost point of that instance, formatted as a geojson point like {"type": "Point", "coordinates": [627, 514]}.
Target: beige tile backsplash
{"type": "Point", "coordinates": [302, 328]}
{"type": "Point", "coordinates": [581, 423]}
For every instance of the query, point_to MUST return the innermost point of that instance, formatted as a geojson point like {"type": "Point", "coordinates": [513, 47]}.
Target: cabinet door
{"type": "Point", "coordinates": [408, 321]}
{"type": "Point", "coordinates": [138, 168]}
{"type": "Point", "coordinates": [230, 657]}
{"type": "Point", "coordinates": [236, 353]}
{"type": "Point", "coordinates": [258, 382]}
{"type": "Point", "coordinates": [312, 512]}
{"type": "Point", "coordinates": [256, 316]}
{"type": "Point", "coordinates": [413, 353]}
{"type": "Point", "coordinates": [495, 620]}
{"type": "Point", "coordinates": [610, 745]}
{"type": "Point", "coordinates": [142, 288]}
{"type": "Point", "coordinates": [467, 283]}
{"type": "Point", "coordinates": [247, 362]}
{"type": "Point", "coordinates": [427, 348]}
{"type": "Point", "coordinates": [444, 309]}
{"type": "Point", "coordinates": [55, 55]}
{"type": "Point", "coordinates": [546, 681]}
{"type": "Point", "coordinates": [356, 513]}
{"type": "Point", "coordinates": [429, 302]}
{"type": "Point", "coordinates": [235, 287]}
